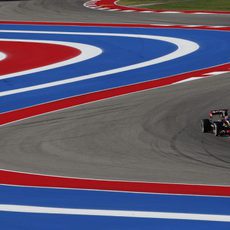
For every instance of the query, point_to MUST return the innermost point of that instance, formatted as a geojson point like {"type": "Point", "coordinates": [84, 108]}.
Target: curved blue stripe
{"type": "Point", "coordinates": [118, 52]}
{"type": "Point", "coordinates": [83, 199]}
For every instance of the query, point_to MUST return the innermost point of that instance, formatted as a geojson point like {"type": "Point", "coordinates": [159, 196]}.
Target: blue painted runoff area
{"type": "Point", "coordinates": [117, 52]}
{"type": "Point", "coordinates": [102, 200]}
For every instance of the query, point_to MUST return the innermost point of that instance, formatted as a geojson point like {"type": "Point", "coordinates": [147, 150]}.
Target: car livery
{"type": "Point", "coordinates": [218, 123]}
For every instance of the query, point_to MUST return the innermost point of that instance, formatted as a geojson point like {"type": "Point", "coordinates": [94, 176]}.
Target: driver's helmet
{"type": "Point", "coordinates": [227, 119]}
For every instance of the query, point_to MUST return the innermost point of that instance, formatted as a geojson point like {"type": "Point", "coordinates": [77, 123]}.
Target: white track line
{"type": "Point", "coordinates": [187, 80]}
{"type": "Point", "coordinates": [146, 11]}
{"type": "Point", "coordinates": [193, 26]}
{"type": "Point", "coordinates": [216, 73]}
{"type": "Point", "coordinates": [2, 56]}
{"type": "Point", "coordinates": [114, 213]}
{"type": "Point", "coordinates": [185, 47]}
{"type": "Point", "coordinates": [170, 12]}
{"type": "Point", "coordinates": [113, 10]}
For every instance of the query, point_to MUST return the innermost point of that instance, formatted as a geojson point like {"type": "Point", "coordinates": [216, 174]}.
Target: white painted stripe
{"type": "Point", "coordinates": [114, 10]}
{"type": "Point", "coordinates": [116, 3]}
{"type": "Point", "coordinates": [128, 11]}
{"type": "Point", "coordinates": [87, 52]}
{"type": "Point", "coordinates": [187, 80]}
{"type": "Point", "coordinates": [192, 26]}
{"type": "Point", "coordinates": [185, 47]}
{"type": "Point", "coordinates": [162, 24]}
{"type": "Point", "coordinates": [114, 213]}
{"type": "Point", "coordinates": [88, 4]}
{"type": "Point", "coordinates": [202, 13]}
{"type": "Point", "coordinates": [216, 73]}
{"type": "Point", "coordinates": [2, 56]}
{"type": "Point", "coordinates": [170, 12]}
{"type": "Point", "coordinates": [217, 26]}
{"type": "Point", "coordinates": [146, 11]}
{"type": "Point", "coordinates": [103, 8]}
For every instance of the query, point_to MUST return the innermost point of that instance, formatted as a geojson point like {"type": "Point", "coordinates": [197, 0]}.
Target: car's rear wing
{"type": "Point", "coordinates": [221, 112]}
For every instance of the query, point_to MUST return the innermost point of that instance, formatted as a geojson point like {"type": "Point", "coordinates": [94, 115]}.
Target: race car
{"type": "Point", "coordinates": [218, 123]}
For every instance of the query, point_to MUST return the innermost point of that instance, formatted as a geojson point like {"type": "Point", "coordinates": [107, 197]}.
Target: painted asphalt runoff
{"type": "Point", "coordinates": [129, 56]}
{"type": "Point", "coordinates": [150, 136]}
{"type": "Point", "coordinates": [43, 208]}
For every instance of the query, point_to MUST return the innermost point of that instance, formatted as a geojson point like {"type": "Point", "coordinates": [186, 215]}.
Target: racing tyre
{"type": "Point", "coordinates": [217, 128]}
{"type": "Point", "coordinates": [205, 126]}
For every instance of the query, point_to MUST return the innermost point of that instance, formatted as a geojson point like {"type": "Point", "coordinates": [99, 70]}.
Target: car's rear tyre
{"type": "Point", "coordinates": [217, 128]}
{"type": "Point", "coordinates": [205, 126]}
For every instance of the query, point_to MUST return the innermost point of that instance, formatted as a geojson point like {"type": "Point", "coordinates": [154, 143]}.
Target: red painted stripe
{"type": "Point", "coordinates": [24, 179]}
{"type": "Point", "coordinates": [29, 55]}
{"type": "Point", "coordinates": [227, 28]}
{"type": "Point", "coordinates": [112, 4]}
{"type": "Point", "coordinates": [78, 100]}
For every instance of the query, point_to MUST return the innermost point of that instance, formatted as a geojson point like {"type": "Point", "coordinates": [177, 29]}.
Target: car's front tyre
{"type": "Point", "coordinates": [205, 125]}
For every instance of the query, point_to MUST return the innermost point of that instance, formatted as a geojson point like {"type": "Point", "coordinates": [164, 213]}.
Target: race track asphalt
{"type": "Point", "coordinates": [147, 136]}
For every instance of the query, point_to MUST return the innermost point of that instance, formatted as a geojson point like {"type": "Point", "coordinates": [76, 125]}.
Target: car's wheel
{"type": "Point", "coordinates": [205, 125]}
{"type": "Point", "coordinates": [217, 128]}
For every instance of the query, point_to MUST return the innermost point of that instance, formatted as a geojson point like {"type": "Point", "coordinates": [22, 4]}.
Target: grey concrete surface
{"type": "Point", "coordinates": [147, 136]}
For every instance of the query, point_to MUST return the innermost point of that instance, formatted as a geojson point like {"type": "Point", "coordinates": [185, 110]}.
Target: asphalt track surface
{"type": "Point", "coordinates": [147, 136]}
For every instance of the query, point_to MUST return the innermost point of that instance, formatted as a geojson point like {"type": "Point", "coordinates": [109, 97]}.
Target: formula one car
{"type": "Point", "coordinates": [218, 123]}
